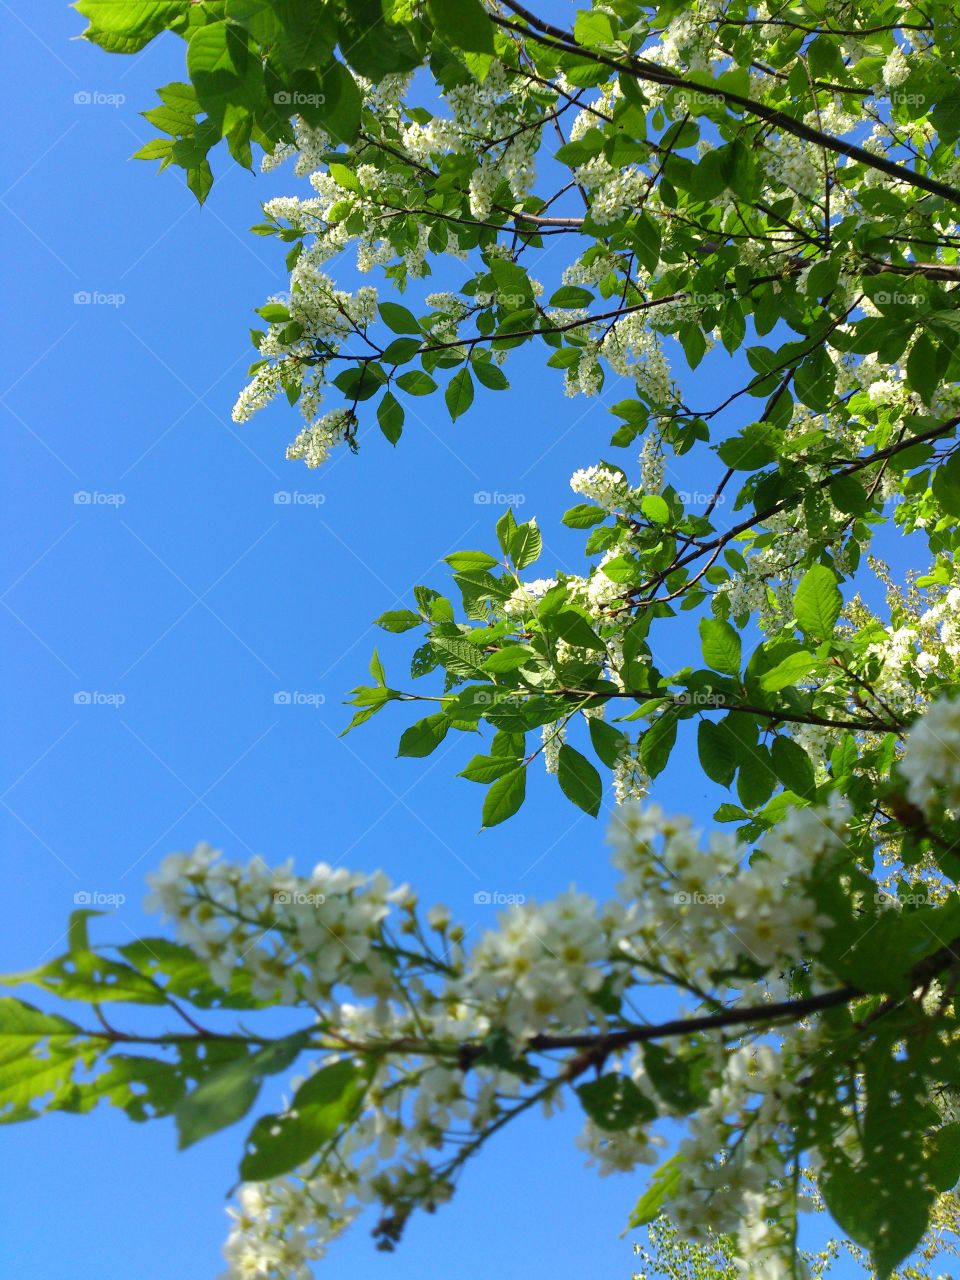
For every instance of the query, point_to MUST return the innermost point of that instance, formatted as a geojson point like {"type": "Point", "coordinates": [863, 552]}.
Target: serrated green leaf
{"type": "Point", "coordinates": [818, 602]}
{"type": "Point", "coordinates": [505, 797]}
{"type": "Point", "coordinates": [579, 780]}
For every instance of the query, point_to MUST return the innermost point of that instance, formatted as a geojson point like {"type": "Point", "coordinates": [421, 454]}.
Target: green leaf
{"type": "Point", "coordinates": [390, 416]}
{"type": "Point", "coordinates": [398, 318]}
{"type": "Point", "coordinates": [221, 67]}
{"type": "Point", "coordinates": [401, 350]}
{"type": "Point", "coordinates": [228, 1094]}
{"type": "Point", "coordinates": [341, 103]}
{"type": "Point", "coordinates": [883, 1201]}
{"type": "Point", "coordinates": [608, 742]}
{"type": "Point", "coordinates": [510, 659]}
{"type": "Point", "coordinates": [945, 485]}
{"type": "Point", "coordinates": [374, 47]}
{"type": "Point", "coordinates": [425, 736]}
{"type": "Point", "coordinates": [655, 509]}
{"type": "Point", "coordinates": [322, 1106]}
{"type": "Point", "coordinates": [459, 394]}
{"type": "Point", "coordinates": [38, 1053]}
{"type": "Point", "coordinates": [818, 602]}
{"type": "Point", "coordinates": [506, 528]}
{"type": "Point", "coordinates": [755, 447]}
{"type": "Point", "coordinates": [125, 26]}
{"type": "Point", "coordinates": [487, 769]}
{"type": "Point", "coordinates": [663, 1185]}
{"type": "Point", "coordinates": [721, 646]}
{"type": "Point", "coordinates": [345, 177]}
{"type": "Point", "coordinates": [469, 560]}
{"type": "Point", "coordinates": [848, 495]}
{"type": "Point", "coordinates": [792, 669]}
{"type": "Point", "coordinates": [756, 780]}
{"type": "Point", "coordinates": [594, 29]}
{"type": "Point", "coordinates": [584, 516]}
{"type": "Point", "coordinates": [815, 379]}
{"type": "Point", "coordinates": [657, 743]}
{"type": "Point", "coordinates": [416, 383]}
{"type": "Point", "coordinates": [793, 766]}
{"type": "Point", "coordinates": [464, 24]}
{"type": "Point", "coordinates": [573, 628]}
{"type": "Point", "coordinates": [579, 780]}
{"type": "Point", "coordinates": [505, 797]}
{"type": "Point", "coordinates": [571, 296]}
{"type": "Point", "coordinates": [526, 545]}
{"type": "Point", "coordinates": [614, 1103]}
{"type": "Point", "coordinates": [715, 749]}
{"type": "Point", "coordinates": [490, 375]}
{"type": "Point", "coordinates": [943, 1157]}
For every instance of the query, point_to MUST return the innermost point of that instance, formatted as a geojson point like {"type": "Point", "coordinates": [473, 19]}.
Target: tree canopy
{"type": "Point", "coordinates": [632, 194]}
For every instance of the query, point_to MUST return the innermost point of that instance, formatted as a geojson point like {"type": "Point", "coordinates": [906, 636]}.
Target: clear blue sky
{"type": "Point", "coordinates": [197, 600]}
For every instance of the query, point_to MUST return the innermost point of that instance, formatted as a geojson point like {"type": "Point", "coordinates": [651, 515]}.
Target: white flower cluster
{"type": "Point", "coordinates": [931, 759]}
{"type": "Point", "coordinates": [296, 351]}
{"type": "Point", "coordinates": [652, 465]}
{"type": "Point", "coordinates": [313, 444]}
{"type": "Point", "coordinates": [896, 69]}
{"type": "Point", "coordinates": [792, 163]}
{"type": "Point", "coordinates": [734, 1157]}
{"type": "Point", "coordinates": [766, 585]}
{"type": "Point", "coordinates": [323, 942]}
{"type": "Point", "coordinates": [634, 350]}
{"type": "Point", "coordinates": [723, 914]}
{"type": "Point", "coordinates": [601, 485]}
{"type": "Point", "coordinates": [630, 780]}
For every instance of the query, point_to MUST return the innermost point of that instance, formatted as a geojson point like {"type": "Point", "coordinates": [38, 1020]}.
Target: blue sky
{"type": "Point", "coordinates": [181, 597]}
